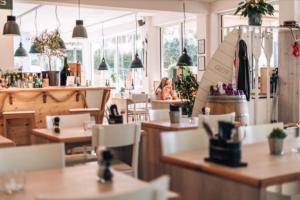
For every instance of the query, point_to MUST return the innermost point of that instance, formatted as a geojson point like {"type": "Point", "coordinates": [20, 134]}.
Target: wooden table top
{"type": "Point", "coordinates": [263, 169]}
{"type": "Point", "coordinates": [45, 89]}
{"type": "Point", "coordinates": [167, 126]}
{"type": "Point", "coordinates": [73, 182]}
{"type": "Point", "coordinates": [176, 101]}
{"type": "Point", "coordinates": [66, 135]}
{"type": "Point", "coordinates": [5, 142]}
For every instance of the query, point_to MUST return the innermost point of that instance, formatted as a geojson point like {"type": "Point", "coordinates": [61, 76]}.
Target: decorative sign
{"type": "Point", "coordinates": [6, 4]}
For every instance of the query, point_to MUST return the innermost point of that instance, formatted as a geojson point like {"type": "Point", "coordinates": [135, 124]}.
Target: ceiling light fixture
{"type": "Point", "coordinates": [184, 59]}
{"type": "Point", "coordinates": [21, 52]}
{"type": "Point", "coordinates": [79, 31]}
{"type": "Point", "coordinates": [33, 48]}
{"type": "Point", "coordinates": [11, 27]}
{"type": "Point", "coordinates": [136, 63]}
{"type": "Point", "coordinates": [103, 65]}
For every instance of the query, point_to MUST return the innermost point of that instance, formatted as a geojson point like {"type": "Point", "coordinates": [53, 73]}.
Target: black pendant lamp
{"type": "Point", "coordinates": [103, 65]}
{"type": "Point", "coordinates": [184, 59]}
{"type": "Point", "coordinates": [21, 52]}
{"type": "Point", "coordinates": [136, 63]}
{"type": "Point", "coordinates": [11, 27]}
{"type": "Point", "coordinates": [33, 48]}
{"type": "Point", "coordinates": [79, 31]}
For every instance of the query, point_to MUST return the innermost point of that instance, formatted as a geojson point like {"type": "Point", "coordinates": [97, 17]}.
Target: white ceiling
{"type": "Point", "coordinates": [46, 18]}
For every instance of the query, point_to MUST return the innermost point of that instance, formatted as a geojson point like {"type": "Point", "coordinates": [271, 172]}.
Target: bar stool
{"type": "Point", "coordinates": [22, 135]}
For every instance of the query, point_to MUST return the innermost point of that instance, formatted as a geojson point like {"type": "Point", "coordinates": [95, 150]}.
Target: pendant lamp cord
{"type": "Point", "coordinates": [184, 19]}
{"type": "Point", "coordinates": [79, 9]}
{"type": "Point", "coordinates": [57, 18]}
{"type": "Point", "coordinates": [20, 21]}
{"type": "Point", "coordinates": [35, 23]}
{"type": "Point", "coordinates": [102, 40]}
{"type": "Point", "coordinates": [135, 43]}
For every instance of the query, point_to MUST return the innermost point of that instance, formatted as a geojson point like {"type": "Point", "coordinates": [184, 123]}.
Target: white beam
{"type": "Point", "coordinates": [133, 5]}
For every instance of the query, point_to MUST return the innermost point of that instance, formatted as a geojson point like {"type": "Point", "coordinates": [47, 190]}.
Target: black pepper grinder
{"type": "Point", "coordinates": [104, 171]}
{"type": "Point", "coordinates": [56, 126]}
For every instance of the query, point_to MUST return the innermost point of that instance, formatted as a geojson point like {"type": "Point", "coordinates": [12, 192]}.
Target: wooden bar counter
{"type": "Point", "coordinates": [17, 104]}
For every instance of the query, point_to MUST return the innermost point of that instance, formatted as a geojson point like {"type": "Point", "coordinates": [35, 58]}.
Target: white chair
{"type": "Point", "coordinates": [183, 141]}
{"type": "Point", "coordinates": [119, 135]}
{"type": "Point", "coordinates": [30, 158]}
{"type": "Point", "coordinates": [159, 115]}
{"type": "Point", "coordinates": [69, 121]}
{"type": "Point", "coordinates": [139, 106]}
{"type": "Point", "coordinates": [257, 133]}
{"type": "Point", "coordinates": [213, 120]}
{"type": "Point", "coordinates": [156, 190]}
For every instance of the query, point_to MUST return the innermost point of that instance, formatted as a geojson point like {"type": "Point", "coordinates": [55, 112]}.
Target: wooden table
{"type": "Point", "coordinates": [4, 142]}
{"type": "Point", "coordinates": [150, 164]}
{"type": "Point", "coordinates": [165, 104]}
{"type": "Point", "coordinates": [66, 135]}
{"type": "Point", "coordinates": [122, 104]}
{"type": "Point", "coordinates": [220, 182]}
{"type": "Point", "coordinates": [73, 182]}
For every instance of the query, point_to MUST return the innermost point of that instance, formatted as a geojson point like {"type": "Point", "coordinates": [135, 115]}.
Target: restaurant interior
{"type": "Point", "coordinates": [149, 100]}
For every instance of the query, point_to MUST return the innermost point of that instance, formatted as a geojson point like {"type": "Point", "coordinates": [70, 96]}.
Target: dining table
{"type": "Point", "coordinates": [80, 181]}
{"type": "Point", "coordinates": [150, 166]}
{"type": "Point", "coordinates": [199, 179]}
{"type": "Point", "coordinates": [5, 142]}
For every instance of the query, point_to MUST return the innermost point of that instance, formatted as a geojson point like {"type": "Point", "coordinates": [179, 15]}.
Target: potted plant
{"type": "Point", "coordinates": [50, 45]}
{"type": "Point", "coordinates": [276, 139]}
{"type": "Point", "coordinates": [254, 10]}
{"type": "Point", "coordinates": [186, 86]}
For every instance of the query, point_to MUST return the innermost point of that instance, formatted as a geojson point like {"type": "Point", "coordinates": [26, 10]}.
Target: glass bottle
{"type": "Point", "coordinates": [64, 73]}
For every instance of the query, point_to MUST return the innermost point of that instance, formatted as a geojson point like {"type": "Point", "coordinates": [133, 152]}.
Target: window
{"type": "Point", "coordinates": [171, 40]}
{"type": "Point", "coordinates": [119, 52]}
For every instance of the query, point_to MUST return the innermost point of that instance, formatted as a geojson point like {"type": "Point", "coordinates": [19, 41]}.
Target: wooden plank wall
{"type": "Point", "coordinates": [289, 79]}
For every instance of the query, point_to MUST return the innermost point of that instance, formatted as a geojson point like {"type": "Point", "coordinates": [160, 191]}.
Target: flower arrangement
{"type": "Point", "coordinates": [50, 44]}
{"type": "Point", "coordinates": [225, 89]}
{"type": "Point", "coordinates": [254, 10]}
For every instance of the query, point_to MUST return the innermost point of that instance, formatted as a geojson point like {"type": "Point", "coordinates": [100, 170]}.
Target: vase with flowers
{"type": "Point", "coordinates": [52, 46]}
{"type": "Point", "coordinates": [254, 10]}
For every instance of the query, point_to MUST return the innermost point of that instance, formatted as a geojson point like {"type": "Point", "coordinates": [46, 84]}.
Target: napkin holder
{"type": "Point", "coordinates": [114, 116]}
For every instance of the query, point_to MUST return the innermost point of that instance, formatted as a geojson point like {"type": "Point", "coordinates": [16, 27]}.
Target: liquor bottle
{"type": "Point", "coordinates": [46, 81]}
{"type": "Point", "coordinates": [64, 73]}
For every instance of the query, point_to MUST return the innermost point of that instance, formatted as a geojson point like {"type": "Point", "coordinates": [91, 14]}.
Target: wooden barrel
{"type": "Point", "coordinates": [227, 104]}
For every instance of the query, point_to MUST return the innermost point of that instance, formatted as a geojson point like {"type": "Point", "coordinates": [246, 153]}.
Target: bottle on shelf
{"type": "Point", "coordinates": [46, 81]}
{"type": "Point", "coordinates": [65, 72]}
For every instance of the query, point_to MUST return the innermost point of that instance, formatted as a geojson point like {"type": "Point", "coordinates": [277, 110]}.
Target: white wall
{"type": "Point", "coordinates": [6, 44]}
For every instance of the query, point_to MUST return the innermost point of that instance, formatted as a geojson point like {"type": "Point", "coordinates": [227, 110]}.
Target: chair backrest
{"type": "Point", "coordinates": [213, 120]}
{"type": "Point", "coordinates": [257, 133]}
{"type": "Point", "coordinates": [139, 98]}
{"type": "Point", "coordinates": [182, 141]}
{"type": "Point", "coordinates": [69, 121]}
{"type": "Point", "coordinates": [119, 135]}
{"type": "Point", "coordinates": [30, 158]}
{"type": "Point", "coordinates": [156, 190]}
{"type": "Point", "coordinates": [159, 115]}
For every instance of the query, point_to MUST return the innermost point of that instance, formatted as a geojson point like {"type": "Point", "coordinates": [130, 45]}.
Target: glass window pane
{"type": "Point", "coordinates": [170, 37]}
{"type": "Point", "coordinates": [190, 41]}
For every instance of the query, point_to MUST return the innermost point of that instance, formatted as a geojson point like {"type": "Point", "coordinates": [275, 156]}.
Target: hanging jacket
{"type": "Point", "coordinates": [243, 82]}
